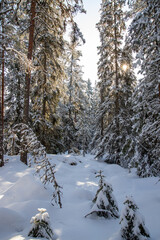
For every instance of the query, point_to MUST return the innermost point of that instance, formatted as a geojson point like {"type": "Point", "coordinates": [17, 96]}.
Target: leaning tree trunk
{"type": "Point", "coordinates": [28, 73]}
{"type": "Point", "coordinates": [2, 98]}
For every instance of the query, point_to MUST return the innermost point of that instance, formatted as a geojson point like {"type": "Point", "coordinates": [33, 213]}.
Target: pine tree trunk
{"type": "Point", "coordinates": [102, 101]}
{"type": "Point", "coordinates": [19, 107]}
{"type": "Point", "coordinates": [44, 94]}
{"type": "Point", "coordinates": [28, 74]}
{"type": "Point", "coordinates": [2, 99]}
{"type": "Point", "coordinates": [157, 48]}
{"type": "Point", "coordinates": [70, 90]}
{"type": "Point", "coordinates": [44, 86]}
{"type": "Point", "coordinates": [70, 98]}
{"type": "Point", "coordinates": [116, 82]}
{"type": "Point", "coordinates": [102, 117]}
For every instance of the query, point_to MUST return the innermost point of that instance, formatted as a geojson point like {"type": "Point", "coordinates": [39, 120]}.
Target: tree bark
{"type": "Point", "coordinates": [102, 116]}
{"type": "Point", "coordinates": [44, 94]}
{"type": "Point", "coordinates": [116, 81]}
{"type": "Point", "coordinates": [28, 73]}
{"type": "Point", "coordinates": [2, 99]}
{"type": "Point", "coordinates": [71, 89]}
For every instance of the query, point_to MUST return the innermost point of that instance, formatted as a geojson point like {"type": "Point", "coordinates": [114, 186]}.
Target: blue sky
{"type": "Point", "coordinates": [87, 23]}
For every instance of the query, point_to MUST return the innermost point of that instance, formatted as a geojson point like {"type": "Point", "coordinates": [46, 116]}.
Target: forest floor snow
{"type": "Point", "coordinates": [21, 194]}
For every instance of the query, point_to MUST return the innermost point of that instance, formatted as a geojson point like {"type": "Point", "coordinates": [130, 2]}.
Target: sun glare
{"type": "Point", "coordinates": [124, 67]}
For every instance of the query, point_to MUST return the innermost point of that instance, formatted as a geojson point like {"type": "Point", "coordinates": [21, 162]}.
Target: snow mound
{"type": "Point", "coordinates": [82, 194]}
{"type": "Point", "coordinates": [11, 221]}
{"type": "Point", "coordinates": [25, 189]}
{"type": "Point", "coordinates": [116, 236]}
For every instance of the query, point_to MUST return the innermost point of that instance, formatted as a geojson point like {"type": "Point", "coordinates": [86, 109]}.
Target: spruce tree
{"type": "Point", "coordinates": [132, 223]}
{"type": "Point", "coordinates": [110, 26]}
{"type": "Point", "coordinates": [47, 70]}
{"type": "Point", "coordinates": [2, 88]}
{"type": "Point", "coordinates": [47, 79]}
{"type": "Point", "coordinates": [41, 225]}
{"type": "Point", "coordinates": [127, 86]}
{"type": "Point", "coordinates": [8, 37]}
{"type": "Point", "coordinates": [87, 119]}
{"type": "Point", "coordinates": [104, 203]}
{"type": "Point", "coordinates": [73, 106]}
{"type": "Point", "coordinates": [144, 33]}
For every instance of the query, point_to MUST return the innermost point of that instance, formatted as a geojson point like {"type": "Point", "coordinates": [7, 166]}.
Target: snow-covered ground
{"type": "Point", "coordinates": [21, 194]}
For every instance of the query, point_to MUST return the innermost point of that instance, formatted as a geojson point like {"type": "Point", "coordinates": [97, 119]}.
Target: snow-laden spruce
{"type": "Point", "coordinates": [132, 222]}
{"type": "Point", "coordinates": [41, 225]}
{"type": "Point", "coordinates": [104, 203]}
{"type": "Point", "coordinates": [145, 41]}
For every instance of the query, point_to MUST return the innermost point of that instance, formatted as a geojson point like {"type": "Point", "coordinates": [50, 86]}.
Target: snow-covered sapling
{"type": "Point", "coordinates": [132, 223]}
{"type": "Point", "coordinates": [104, 203]}
{"type": "Point", "coordinates": [41, 225]}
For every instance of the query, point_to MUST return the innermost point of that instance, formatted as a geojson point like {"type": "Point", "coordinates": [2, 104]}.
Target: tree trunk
{"type": "Point", "coordinates": [28, 73]}
{"type": "Point", "coordinates": [116, 82]}
{"type": "Point", "coordinates": [44, 95]}
{"type": "Point", "coordinates": [71, 89]}
{"type": "Point", "coordinates": [102, 116]}
{"type": "Point", "coordinates": [2, 100]}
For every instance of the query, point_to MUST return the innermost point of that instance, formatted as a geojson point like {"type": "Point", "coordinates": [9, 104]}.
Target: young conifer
{"type": "Point", "coordinates": [41, 225]}
{"type": "Point", "coordinates": [104, 203]}
{"type": "Point", "coordinates": [132, 223]}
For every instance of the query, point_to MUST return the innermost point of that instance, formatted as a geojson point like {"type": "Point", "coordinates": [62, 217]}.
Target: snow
{"type": "Point", "coordinates": [43, 215]}
{"type": "Point", "coordinates": [22, 194]}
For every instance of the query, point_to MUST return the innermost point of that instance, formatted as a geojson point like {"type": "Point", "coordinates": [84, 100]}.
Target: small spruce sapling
{"type": "Point", "coordinates": [132, 223]}
{"type": "Point", "coordinates": [41, 225]}
{"type": "Point", "coordinates": [104, 203]}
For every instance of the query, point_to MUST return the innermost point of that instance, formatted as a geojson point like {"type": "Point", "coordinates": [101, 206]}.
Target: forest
{"type": "Point", "coordinates": [55, 124]}
{"type": "Point", "coordinates": [47, 107]}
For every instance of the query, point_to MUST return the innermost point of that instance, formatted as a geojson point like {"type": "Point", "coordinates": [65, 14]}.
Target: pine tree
{"type": "Point", "coordinates": [104, 203]}
{"type": "Point", "coordinates": [8, 17]}
{"type": "Point", "coordinates": [87, 118]}
{"type": "Point", "coordinates": [132, 223]}
{"type": "Point", "coordinates": [96, 134]}
{"type": "Point", "coordinates": [2, 89]}
{"type": "Point", "coordinates": [47, 79]}
{"type": "Point", "coordinates": [144, 32]}
{"type": "Point", "coordinates": [73, 106]}
{"type": "Point", "coordinates": [65, 10]}
{"type": "Point", "coordinates": [16, 63]}
{"type": "Point", "coordinates": [127, 86]}
{"type": "Point", "coordinates": [28, 72]}
{"type": "Point", "coordinates": [110, 27]}
{"type": "Point", "coordinates": [27, 141]}
{"type": "Point", "coordinates": [41, 225]}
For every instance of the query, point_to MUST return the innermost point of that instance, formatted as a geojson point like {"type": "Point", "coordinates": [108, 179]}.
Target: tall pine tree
{"type": "Point", "coordinates": [145, 41]}
{"type": "Point", "coordinates": [110, 26]}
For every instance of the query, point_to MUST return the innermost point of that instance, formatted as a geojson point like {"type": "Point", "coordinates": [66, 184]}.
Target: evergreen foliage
{"type": "Point", "coordinates": [144, 33]}
{"type": "Point", "coordinates": [41, 225]}
{"type": "Point", "coordinates": [118, 120]}
{"type": "Point", "coordinates": [26, 141]}
{"type": "Point", "coordinates": [104, 203]}
{"type": "Point", "coordinates": [126, 114]}
{"type": "Point", "coordinates": [132, 223]}
{"type": "Point", "coordinates": [48, 76]}
{"type": "Point", "coordinates": [73, 113]}
{"type": "Point", "coordinates": [110, 26]}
